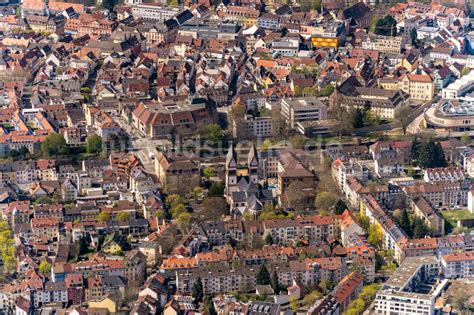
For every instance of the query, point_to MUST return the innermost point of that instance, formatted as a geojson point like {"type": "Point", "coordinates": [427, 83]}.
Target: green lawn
{"type": "Point", "coordinates": [453, 216]}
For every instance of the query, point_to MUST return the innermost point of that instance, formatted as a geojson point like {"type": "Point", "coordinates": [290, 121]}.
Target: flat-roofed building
{"type": "Point", "coordinates": [302, 109]}
{"type": "Point", "coordinates": [412, 289]}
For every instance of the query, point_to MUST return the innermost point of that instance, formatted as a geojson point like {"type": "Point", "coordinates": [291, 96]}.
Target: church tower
{"type": "Point", "coordinates": [230, 170]}
{"type": "Point", "coordinates": [252, 164]}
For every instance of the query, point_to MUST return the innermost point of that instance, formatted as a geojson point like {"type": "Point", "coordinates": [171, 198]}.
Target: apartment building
{"type": "Point", "coordinates": [302, 109]}
{"type": "Point", "coordinates": [386, 44]}
{"type": "Point", "coordinates": [403, 293]}
{"type": "Point", "coordinates": [439, 194]}
{"type": "Point", "coordinates": [252, 127]}
{"type": "Point", "coordinates": [155, 12]}
{"type": "Point", "coordinates": [392, 234]}
{"type": "Point", "coordinates": [458, 265]}
{"type": "Point", "coordinates": [424, 210]}
{"type": "Point", "coordinates": [310, 228]}
{"type": "Point", "coordinates": [308, 272]}
{"type": "Point", "coordinates": [434, 246]}
{"type": "Point", "coordinates": [443, 174]}
{"type": "Point", "coordinates": [418, 86]}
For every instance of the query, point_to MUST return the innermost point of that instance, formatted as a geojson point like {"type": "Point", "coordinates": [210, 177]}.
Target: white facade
{"type": "Point", "coordinates": [459, 87]}
{"type": "Point", "coordinates": [458, 265]}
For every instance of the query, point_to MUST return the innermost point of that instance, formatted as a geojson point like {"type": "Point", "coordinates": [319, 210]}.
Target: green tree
{"type": "Point", "coordinates": [198, 291]}
{"type": "Point", "coordinates": [103, 217]}
{"type": "Point", "coordinates": [358, 118]}
{"type": "Point", "coordinates": [405, 222]}
{"type": "Point", "coordinates": [44, 267]}
{"type": "Point", "coordinates": [269, 239]}
{"type": "Point", "coordinates": [94, 144]}
{"type": "Point", "coordinates": [294, 302]}
{"type": "Point", "coordinates": [386, 26]}
{"type": "Point", "coordinates": [466, 138]}
{"type": "Point", "coordinates": [375, 235]}
{"type": "Point", "coordinates": [419, 228]}
{"type": "Point", "coordinates": [432, 155]}
{"type": "Point", "coordinates": [123, 216]}
{"type": "Point", "coordinates": [327, 90]}
{"type": "Point", "coordinates": [340, 207]}
{"type": "Point", "coordinates": [298, 90]}
{"type": "Point", "coordinates": [263, 276]}
{"type": "Point", "coordinates": [275, 283]}
{"type": "Point", "coordinates": [216, 190]}
{"type": "Point", "coordinates": [177, 210]}
{"type": "Point", "coordinates": [173, 200]}
{"type": "Point", "coordinates": [212, 132]}
{"type": "Point", "coordinates": [414, 37]}
{"type": "Point", "coordinates": [415, 149]}
{"type": "Point", "coordinates": [209, 172]}
{"type": "Point", "coordinates": [326, 200]}
{"type": "Point", "coordinates": [465, 71]}
{"type": "Point", "coordinates": [364, 221]}
{"type": "Point", "coordinates": [54, 145]}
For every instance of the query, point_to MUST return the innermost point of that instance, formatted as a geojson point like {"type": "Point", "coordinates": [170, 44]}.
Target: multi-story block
{"type": "Point", "coordinates": [458, 265]}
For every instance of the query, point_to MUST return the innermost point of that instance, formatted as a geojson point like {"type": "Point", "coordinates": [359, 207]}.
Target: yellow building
{"type": "Point", "coordinates": [108, 303]}
{"type": "Point", "coordinates": [318, 41]}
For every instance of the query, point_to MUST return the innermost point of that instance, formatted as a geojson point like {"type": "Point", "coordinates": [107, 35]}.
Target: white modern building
{"type": "Point", "coordinates": [412, 289]}
{"type": "Point", "coordinates": [301, 109]}
{"type": "Point", "coordinates": [459, 87]}
{"type": "Point", "coordinates": [457, 265]}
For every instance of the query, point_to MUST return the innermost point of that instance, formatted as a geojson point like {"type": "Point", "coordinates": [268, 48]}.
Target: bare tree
{"type": "Point", "coordinates": [403, 117]}
{"type": "Point", "coordinates": [341, 115]}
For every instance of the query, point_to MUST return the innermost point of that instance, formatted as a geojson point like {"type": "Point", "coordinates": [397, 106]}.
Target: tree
{"type": "Point", "coordinates": [386, 26]}
{"type": "Point", "coordinates": [216, 190]}
{"type": "Point", "coordinates": [237, 115]}
{"type": "Point", "coordinates": [173, 3]}
{"type": "Point", "coordinates": [213, 208]}
{"type": "Point", "coordinates": [316, 5]}
{"type": "Point", "coordinates": [54, 145]}
{"type": "Point", "coordinates": [419, 228]}
{"type": "Point", "coordinates": [296, 196]}
{"type": "Point", "coordinates": [212, 132]}
{"type": "Point", "coordinates": [341, 115]}
{"type": "Point", "coordinates": [278, 124]}
{"type": "Point", "coordinates": [375, 235]}
{"type": "Point", "coordinates": [405, 222]}
{"type": "Point", "coordinates": [415, 149]}
{"type": "Point", "coordinates": [269, 239]}
{"type": "Point", "coordinates": [325, 200]}
{"type": "Point", "coordinates": [358, 118]}
{"type": "Point", "coordinates": [209, 172]}
{"type": "Point", "coordinates": [298, 91]}
{"type": "Point", "coordinates": [263, 276]}
{"type": "Point", "coordinates": [294, 302]}
{"type": "Point", "coordinates": [402, 115]}
{"type": "Point", "coordinates": [364, 221]}
{"type": "Point", "coordinates": [123, 216]}
{"type": "Point", "coordinates": [94, 144]}
{"type": "Point", "coordinates": [198, 291]}
{"type": "Point", "coordinates": [327, 90]}
{"type": "Point", "coordinates": [309, 91]}
{"type": "Point", "coordinates": [103, 217]}
{"type": "Point", "coordinates": [176, 210]}
{"type": "Point", "coordinates": [466, 138]}
{"type": "Point", "coordinates": [298, 141]}
{"type": "Point", "coordinates": [465, 71]}
{"type": "Point", "coordinates": [44, 267]}
{"type": "Point", "coordinates": [414, 37]}
{"type": "Point", "coordinates": [340, 207]}
{"type": "Point", "coordinates": [275, 283]}
{"type": "Point", "coordinates": [432, 155]}
{"type": "Point", "coordinates": [173, 200]}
